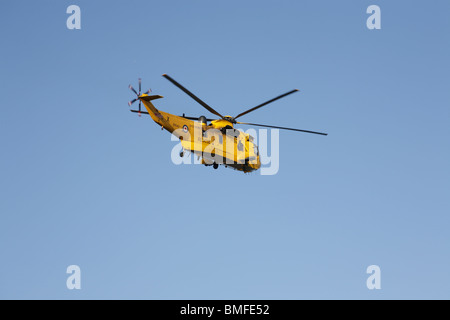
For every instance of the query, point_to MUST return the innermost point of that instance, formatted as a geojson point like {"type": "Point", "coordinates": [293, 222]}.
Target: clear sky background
{"type": "Point", "coordinates": [86, 182]}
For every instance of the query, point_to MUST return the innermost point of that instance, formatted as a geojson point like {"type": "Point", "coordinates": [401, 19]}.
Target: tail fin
{"type": "Point", "coordinates": [150, 98]}
{"type": "Point", "coordinates": [152, 111]}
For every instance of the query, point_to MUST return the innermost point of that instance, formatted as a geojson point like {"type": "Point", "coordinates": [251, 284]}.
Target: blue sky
{"type": "Point", "coordinates": [86, 182]}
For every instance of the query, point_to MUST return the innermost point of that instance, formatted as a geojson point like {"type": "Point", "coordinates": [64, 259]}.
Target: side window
{"type": "Point", "coordinates": [240, 146]}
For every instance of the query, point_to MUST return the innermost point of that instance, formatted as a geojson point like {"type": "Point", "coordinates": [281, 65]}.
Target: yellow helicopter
{"type": "Point", "coordinates": [216, 141]}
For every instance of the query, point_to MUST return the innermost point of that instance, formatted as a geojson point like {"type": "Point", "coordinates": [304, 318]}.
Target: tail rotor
{"type": "Point", "coordinates": [138, 94]}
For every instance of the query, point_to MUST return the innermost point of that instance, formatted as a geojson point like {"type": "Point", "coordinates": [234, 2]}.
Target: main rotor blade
{"type": "Point", "coordinates": [133, 89]}
{"type": "Point", "coordinates": [196, 118]}
{"type": "Point", "coordinates": [265, 125]}
{"type": "Point", "coordinates": [267, 102]}
{"type": "Point", "coordinates": [192, 95]}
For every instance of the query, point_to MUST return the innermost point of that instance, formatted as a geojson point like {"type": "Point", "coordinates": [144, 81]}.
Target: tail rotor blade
{"type": "Point", "coordinates": [132, 89]}
{"type": "Point", "coordinates": [131, 102]}
{"type": "Point", "coordinates": [148, 91]}
{"type": "Point", "coordinates": [140, 81]}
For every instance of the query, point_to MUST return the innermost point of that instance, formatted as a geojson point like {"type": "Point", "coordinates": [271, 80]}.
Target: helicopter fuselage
{"type": "Point", "coordinates": [218, 143]}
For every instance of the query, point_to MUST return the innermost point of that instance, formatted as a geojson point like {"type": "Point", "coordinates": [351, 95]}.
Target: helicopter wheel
{"type": "Point", "coordinates": [181, 154]}
{"type": "Point", "coordinates": [215, 166]}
